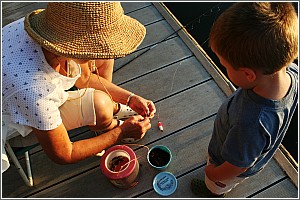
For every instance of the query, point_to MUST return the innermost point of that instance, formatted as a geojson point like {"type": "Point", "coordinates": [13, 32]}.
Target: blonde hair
{"type": "Point", "coordinates": [258, 35]}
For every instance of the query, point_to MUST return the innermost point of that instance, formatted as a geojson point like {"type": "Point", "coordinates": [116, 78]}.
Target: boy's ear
{"type": "Point", "coordinates": [249, 73]}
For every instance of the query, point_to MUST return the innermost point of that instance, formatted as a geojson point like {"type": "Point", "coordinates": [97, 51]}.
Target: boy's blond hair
{"type": "Point", "coordinates": [258, 35]}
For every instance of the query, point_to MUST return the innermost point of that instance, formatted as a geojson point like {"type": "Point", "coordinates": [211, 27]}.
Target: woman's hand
{"type": "Point", "coordinates": [144, 107]}
{"type": "Point", "coordinates": [135, 127]}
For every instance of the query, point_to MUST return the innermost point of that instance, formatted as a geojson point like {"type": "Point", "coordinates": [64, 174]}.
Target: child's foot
{"type": "Point", "coordinates": [199, 188]}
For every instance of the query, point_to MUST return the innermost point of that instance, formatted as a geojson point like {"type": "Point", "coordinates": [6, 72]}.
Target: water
{"type": "Point", "coordinates": [188, 14]}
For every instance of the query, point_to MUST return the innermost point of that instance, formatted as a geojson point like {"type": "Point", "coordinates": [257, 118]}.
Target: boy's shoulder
{"type": "Point", "coordinates": [293, 71]}
{"type": "Point", "coordinates": [293, 68]}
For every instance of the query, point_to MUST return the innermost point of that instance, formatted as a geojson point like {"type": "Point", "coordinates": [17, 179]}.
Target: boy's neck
{"type": "Point", "coordinates": [274, 86]}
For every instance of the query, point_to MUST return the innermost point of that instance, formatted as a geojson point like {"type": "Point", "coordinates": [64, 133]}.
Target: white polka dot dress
{"type": "Point", "coordinates": [32, 91]}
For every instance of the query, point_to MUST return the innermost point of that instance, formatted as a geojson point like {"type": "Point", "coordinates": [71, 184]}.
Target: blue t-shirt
{"type": "Point", "coordinates": [249, 128]}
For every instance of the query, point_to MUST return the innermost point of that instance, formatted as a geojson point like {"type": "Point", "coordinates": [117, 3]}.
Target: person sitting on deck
{"type": "Point", "coordinates": [257, 43]}
{"type": "Point", "coordinates": [51, 50]}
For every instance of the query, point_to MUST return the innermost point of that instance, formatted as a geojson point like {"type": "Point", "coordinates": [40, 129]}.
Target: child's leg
{"type": "Point", "coordinates": [224, 186]}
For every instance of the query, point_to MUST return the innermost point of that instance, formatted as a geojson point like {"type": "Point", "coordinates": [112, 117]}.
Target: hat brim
{"type": "Point", "coordinates": [117, 40]}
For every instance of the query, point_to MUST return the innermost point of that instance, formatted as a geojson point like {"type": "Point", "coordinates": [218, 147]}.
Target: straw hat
{"type": "Point", "coordinates": [85, 30]}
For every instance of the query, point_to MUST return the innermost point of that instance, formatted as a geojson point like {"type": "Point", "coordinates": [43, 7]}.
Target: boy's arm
{"type": "Point", "coordinates": [223, 172]}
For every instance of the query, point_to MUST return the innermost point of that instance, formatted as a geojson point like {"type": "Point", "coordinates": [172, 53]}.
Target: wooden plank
{"type": "Point", "coordinates": [8, 7]}
{"type": "Point", "coordinates": [145, 15]}
{"type": "Point", "coordinates": [288, 156]}
{"type": "Point", "coordinates": [183, 161]}
{"type": "Point", "coordinates": [179, 166]}
{"type": "Point", "coordinates": [284, 189]}
{"type": "Point", "coordinates": [12, 11]}
{"type": "Point", "coordinates": [189, 66]}
{"type": "Point", "coordinates": [187, 116]}
{"type": "Point", "coordinates": [243, 190]}
{"type": "Point", "coordinates": [153, 36]}
{"type": "Point", "coordinates": [285, 164]}
{"type": "Point", "coordinates": [222, 81]}
{"type": "Point", "coordinates": [185, 109]}
{"type": "Point", "coordinates": [178, 104]}
{"type": "Point", "coordinates": [17, 187]}
{"type": "Point", "coordinates": [62, 172]}
{"type": "Point", "coordinates": [165, 53]}
{"type": "Point", "coordinates": [133, 6]}
{"type": "Point", "coordinates": [267, 176]}
{"type": "Point", "coordinates": [73, 134]}
{"type": "Point", "coordinates": [207, 62]}
{"type": "Point", "coordinates": [154, 134]}
{"type": "Point", "coordinates": [168, 80]}
{"type": "Point", "coordinates": [45, 173]}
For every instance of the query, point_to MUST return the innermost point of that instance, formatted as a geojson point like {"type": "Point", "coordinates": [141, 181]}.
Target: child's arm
{"type": "Point", "coordinates": [223, 172]}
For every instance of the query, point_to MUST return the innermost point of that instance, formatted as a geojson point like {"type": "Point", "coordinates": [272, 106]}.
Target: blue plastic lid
{"type": "Point", "coordinates": [165, 183]}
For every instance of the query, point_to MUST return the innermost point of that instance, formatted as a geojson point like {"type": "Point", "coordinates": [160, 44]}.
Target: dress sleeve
{"type": "Point", "coordinates": [36, 108]}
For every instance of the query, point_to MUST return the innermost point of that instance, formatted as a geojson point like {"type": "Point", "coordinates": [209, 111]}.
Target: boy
{"type": "Point", "coordinates": [256, 42]}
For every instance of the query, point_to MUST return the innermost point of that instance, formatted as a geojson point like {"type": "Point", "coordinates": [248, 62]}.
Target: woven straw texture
{"type": "Point", "coordinates": [85, 30]}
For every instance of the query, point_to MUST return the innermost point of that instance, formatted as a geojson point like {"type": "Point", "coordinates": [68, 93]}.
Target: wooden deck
{"type": "Point", "coordinates": [187, 90]}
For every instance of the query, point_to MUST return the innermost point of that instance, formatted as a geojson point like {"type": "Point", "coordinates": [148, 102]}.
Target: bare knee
{"type": "Point", "coordinates": [103, 109]}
